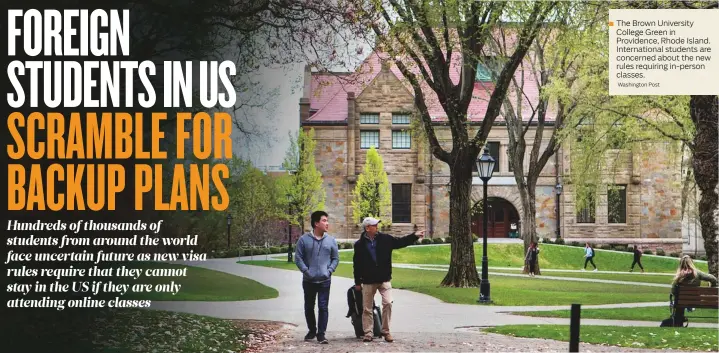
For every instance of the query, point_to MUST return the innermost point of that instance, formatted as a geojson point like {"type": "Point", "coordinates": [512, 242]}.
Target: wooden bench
{"type": "Point", "coordinates": [694, 297]}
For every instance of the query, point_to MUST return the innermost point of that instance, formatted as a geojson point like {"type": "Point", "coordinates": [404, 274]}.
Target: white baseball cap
{"type": "Point", "coordinates": [370, 221]}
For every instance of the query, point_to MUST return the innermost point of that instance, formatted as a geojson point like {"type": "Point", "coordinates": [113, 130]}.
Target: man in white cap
{"type": "Point", "coordinates": [373, 271]}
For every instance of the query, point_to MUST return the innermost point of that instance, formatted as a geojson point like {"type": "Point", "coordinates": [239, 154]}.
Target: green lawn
{"type": "Point", "coordinates": [694, 339]}
{"type": "Point", "coordinates": [629, 277]}
{"type": "Point", "coordinates": [642, 314]}
{"type": "Point", "coordinates": [551, 256]}
{"type": "Point", "coordinates": [508, 290]}
{"type": "Point", "coordinates": [202, 284]}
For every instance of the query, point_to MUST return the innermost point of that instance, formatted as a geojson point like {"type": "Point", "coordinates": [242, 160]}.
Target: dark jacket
{"type": "Point", "coordinates": [366, 270]}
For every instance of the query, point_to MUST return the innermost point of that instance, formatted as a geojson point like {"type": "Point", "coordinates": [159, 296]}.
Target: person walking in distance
{"type": "Point", "coordinates": [589, 255]}
{"type": "Point", "coordinates": [373, 271]}
{"type": "Point", "coordinates": [637, 258]}
{"type": "Point", "coordinates": [317, 256]}
{"type": "Point", "coordinates": [531, 259]}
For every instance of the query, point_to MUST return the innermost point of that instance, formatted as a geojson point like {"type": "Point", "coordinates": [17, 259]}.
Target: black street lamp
{"type": "Point", "coordinates": [229, 223]}
{"type": "Point", "coordinates": [558, 187]}
{"type": "Point", "coordinates": [289, 228]}
{"type": "Point", "coordinates": [485, 168]}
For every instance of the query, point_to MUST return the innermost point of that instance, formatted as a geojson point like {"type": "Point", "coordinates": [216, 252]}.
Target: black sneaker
{"type": "Point", "coordinates": [322, 340]}
{"type": "Point", "coordinates": [310, 336]}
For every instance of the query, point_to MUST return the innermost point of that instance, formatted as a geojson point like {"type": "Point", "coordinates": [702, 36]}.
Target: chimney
{"type": "Point", "coordinates": [307, 88]}
{"type": "Point", "coordinates": [306, 94]}
{"type": "Point", "coordinates": [385, 65]}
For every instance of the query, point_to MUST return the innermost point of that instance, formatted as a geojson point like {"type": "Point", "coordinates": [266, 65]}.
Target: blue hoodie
{"type": "Point", "coordinates": [317, 258]}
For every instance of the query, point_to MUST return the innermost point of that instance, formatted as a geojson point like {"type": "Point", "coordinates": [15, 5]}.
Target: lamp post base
{"type": "Point", "coordinates": [484, 297]}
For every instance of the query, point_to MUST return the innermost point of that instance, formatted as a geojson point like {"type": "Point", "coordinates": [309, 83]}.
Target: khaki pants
{"type": "Point", "coordinates": [368, 292]}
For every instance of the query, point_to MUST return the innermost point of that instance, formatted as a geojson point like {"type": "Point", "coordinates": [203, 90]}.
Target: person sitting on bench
{"type": "Point", "coordinates": [688, 275]}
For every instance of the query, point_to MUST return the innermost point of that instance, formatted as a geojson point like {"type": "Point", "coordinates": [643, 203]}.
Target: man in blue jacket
{"type": "Point", "coordinates": [317, 257]}
{"type": "Point", "coordinates": [373, 272]}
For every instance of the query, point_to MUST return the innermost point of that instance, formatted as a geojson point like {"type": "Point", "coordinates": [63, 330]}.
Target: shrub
{"type": "Point", "coordinates": [661, 252]}
{"type": "Point", "coordinates": [347, 245]}
{"type": "Point", "coordinates": [703, 257]}
{"type": "Point", "coordinates": [448, 240]}
{"type": "Point", "coordinates": [648, 252]}
{"type": "Point", "coordinates": [559, 241]}
{"type": "Point", "coordinates": [426, 241]}
{"type": "Point", "coordinates": [417, 242]}
{"type": "Point", "coordinates": [620, 247]}
{"type": "Point", "coordinates": [474, 238]}
{"type": "Point", "coordinates": [276, 250]}
{"type": "Point", "coordinates": [675, 254]}
{"type": "Point", "coordinates": [546, 240]}
{"type": "Point", "coordinates": [438, 241]}
{"type": "Point", "coordinates": [575, 243]}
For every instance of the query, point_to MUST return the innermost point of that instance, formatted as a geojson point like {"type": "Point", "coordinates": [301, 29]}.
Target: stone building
{"type": "Point", "coordinates": [350, 112]}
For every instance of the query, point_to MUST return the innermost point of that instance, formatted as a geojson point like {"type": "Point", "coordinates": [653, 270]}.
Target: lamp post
{"type": "Point", "coordinates": [485, 168]}
{"type": "Point", "coordinates": [558, 187]}
{"type": "Point", "coordinates": [229, 223]}
{"type": "Point", "coordinates": [289, 229]}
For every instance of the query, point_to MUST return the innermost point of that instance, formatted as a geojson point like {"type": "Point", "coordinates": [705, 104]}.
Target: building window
{"type": "Point", "coordinates": [401, 203]}
{"type": "Point", "coordinates": [486, 66]}
{"type": "Point", "coordinates": [617, 203]}
{"type": "Point", "coordinates": [494, 152]}
{"type": "Point", "coordinates": [369, 118]}
{"type": "Point", "coordinates": [401, 139]}
{"type": "Point", "coordinates": [369, 139]}
{"type": "Point", "coordinates": [587, 214]}
{"type": "Point", "coordinates": [400, 118]}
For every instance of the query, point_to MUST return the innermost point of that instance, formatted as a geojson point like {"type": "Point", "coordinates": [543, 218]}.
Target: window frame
{"type": "Point", "coordinates": [622, 189]}
{"type": "Point", "coordinates": [406, 216]}
{"type": "Point", "coordinates": [398, 114]}
{"type": "Point", "coordinates": [409, 139]}
{"type": "Point", "coordinates": [373, 122]}
{"type": "Point", "coordinates": [590, 211]}
{"type": "Point", "coordinates": [362, 147]}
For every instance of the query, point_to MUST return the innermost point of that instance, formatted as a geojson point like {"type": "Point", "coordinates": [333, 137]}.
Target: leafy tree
{"type": "Point", "coordinates": [304, 184]}
{"type": "Point", "coordinates": [427, 41]}
{"type": "Point", "coordinates": [372, 196]}
{"type": "Point", "coordinates": [559, 65]}
{"type": "Point", "coordinates": [254, 203]}
{"type": "Point", "coordinates": [689, 120]}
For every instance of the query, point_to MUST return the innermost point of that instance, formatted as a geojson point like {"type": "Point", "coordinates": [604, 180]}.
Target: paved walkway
{"type": "Point", "coordinates": [411, 313]}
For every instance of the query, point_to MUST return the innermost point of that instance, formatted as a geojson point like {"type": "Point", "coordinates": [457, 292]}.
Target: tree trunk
{"type": "Point", "coordinates": [703, 110]}
{"type": "Point", "coordinates": [529, 221]}
{"type": "Point", "coordinates": [462, 267]}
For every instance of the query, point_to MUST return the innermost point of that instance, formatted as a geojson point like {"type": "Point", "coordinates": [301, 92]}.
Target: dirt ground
{"type": "Point", "coordinates": [278, 337]}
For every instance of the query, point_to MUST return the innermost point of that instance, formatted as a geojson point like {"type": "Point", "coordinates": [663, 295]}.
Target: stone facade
{"type": "Point", "coordinates": [651, 176]}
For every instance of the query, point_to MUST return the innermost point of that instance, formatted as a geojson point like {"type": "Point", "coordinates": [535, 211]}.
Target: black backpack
{"type": "Point", "coordinates": [354, 304]}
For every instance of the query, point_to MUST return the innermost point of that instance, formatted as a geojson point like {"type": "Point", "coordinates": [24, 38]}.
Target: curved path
{"type": "Point", "coordinates": [411, 313]}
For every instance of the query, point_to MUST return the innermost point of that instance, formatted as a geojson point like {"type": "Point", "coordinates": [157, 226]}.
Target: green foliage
{"type": "Point", "coordinates": [372, 196]}
{"type": "Point", "coordinates": [304, 184]}
{"type": "Point", "coordinates": [647, 252]}
{"type": "Point", "coordinates": [437, 241]}
{"type": "Point", "coordinates": [426, 241]}
{"type": "Point", "coordinates": [255, 203]}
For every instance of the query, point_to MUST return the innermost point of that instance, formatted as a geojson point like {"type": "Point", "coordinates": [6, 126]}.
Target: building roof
{"type": "Point", "coordinates": [329, 91]}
